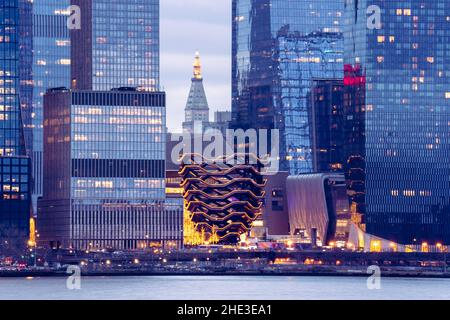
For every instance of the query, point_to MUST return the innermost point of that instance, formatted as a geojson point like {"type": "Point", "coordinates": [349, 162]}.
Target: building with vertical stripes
{"type": "Point", "coordinates": [15, 177]}
{"type": "Point", "coordinates": [397, 123]}
{"type": "Point", "coordinates": [51, 69]}
{"type": "Point", "coordinates": [117, 45]}
{"type": "Point", "coordinates": [104, 171]}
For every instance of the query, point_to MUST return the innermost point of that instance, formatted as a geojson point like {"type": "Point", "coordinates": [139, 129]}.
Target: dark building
{"type": "Point", "coordinates": [104, 171]}
{"type": "Point", "coordinates": [279, 47]}
{"type": "Point", "coordinates": [327, 125]}
{"type": "Point", "coordinates": [117, 45]}
{"type": "Point", "coordinates": [400, 164]}
{"type": "Point", "coordinates": [222, 199]}
{"type": "Point", "coordinates": [15, 190]}
{"type": "Point", "coordinates": [275, 215]}
{"type": "Point", "coordinates": [354, 145]}
{"type": "Point", "coordinates": [26, 50]}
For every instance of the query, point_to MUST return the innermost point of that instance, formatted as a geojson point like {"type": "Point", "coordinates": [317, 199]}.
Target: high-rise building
{"type": "Point", "coordinates": [402, 65]}
{"type": "Point", "coordinates": [26, 71]}
{"type": "Point", "coordinates": [196, 119]}
{"type": "Point", "coordinates": [15, 203]}
{"type": "Point", "coordinates": [104, 171]}
{"type": "Point", "coordinates": [51, 69]}
{"type": "Point", "coordinates": [117, 45]}
{"type": "Point", "coordinates": [279, 47]}
{"type": "Point", "coordinates": [327, 124]}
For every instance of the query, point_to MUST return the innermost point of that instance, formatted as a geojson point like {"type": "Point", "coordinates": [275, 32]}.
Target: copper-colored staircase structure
{"type": "Point", "coordinates": [223, 197]}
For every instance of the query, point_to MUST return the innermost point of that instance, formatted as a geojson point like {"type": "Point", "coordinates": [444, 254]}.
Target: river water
{"type": "Point", "coordinates": [223, 287]}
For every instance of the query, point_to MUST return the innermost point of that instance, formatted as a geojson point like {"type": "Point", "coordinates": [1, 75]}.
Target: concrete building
{"type": "Point", "coordinates": [274, 220]}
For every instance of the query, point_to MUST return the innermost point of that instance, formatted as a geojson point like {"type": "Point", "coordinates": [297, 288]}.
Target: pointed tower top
{"type": "Point", "coordinates": [197, 67]}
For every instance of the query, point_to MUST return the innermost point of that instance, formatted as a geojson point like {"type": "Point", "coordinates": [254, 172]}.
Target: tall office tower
{"type": "Point", "coordinates": [26, 70]}
{"type": "Point", "coordinates": [403, 66]}
{"type": "Point", "coordinates": [104, 171]}
{"type": "Point", "coordinates": [117, 45]}
{"type": "Point", "coordinates": [51, 69]}
{"type": "Point", "coordinates": [14, 165]}
{"type": "Point", "coordinates": [327, 125]}
{"type": "Point", "coordinates": [279, 46]}
{"type": "Point", "coordinates": [197, 109]}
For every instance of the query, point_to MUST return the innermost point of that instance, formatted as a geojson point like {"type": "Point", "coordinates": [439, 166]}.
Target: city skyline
{"type": "Point", "coordinates": [113, 172]}
{"type": "Point", "coordinates": [190, 26]}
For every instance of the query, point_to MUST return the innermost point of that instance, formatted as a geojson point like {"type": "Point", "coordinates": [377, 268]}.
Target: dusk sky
{"type": "Point", "coordinates": [188, 26]}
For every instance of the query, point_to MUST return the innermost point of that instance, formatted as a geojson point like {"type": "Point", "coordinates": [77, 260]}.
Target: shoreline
{"type": "Point", "coordinates": [348, 274]}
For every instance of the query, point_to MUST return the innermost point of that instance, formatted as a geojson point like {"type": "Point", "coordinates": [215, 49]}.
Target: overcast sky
{"type": "Point", "coordinates": [187, 26]}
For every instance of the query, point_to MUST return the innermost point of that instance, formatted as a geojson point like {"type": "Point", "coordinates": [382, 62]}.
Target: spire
{"type": "Point", "coordinates": [197, 67]}
{"type": "Point", "coordinates": [197, 109]}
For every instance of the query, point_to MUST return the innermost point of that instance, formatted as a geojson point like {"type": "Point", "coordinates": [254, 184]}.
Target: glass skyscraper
{"type": "Point", "coordinates": [104, 171]}
{"type": "Point", "coordinates": [14, 165]}
{"type": "Point", "coordinates": [279, 47]}
{"type": "Point", "coordinates": [26, 70]}
{"type": "Point", "coordinates": [117, 45]}
{"type": "Point", "coordinates": [51, 68]}
{"type": "Point", "coordinates": [405, 114]}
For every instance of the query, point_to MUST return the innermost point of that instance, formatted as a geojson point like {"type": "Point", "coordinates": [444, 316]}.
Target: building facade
{"type": "Point", "coordinates": [51, 69]}
{"type": "Point", "coordinates": [196, 119]}
{"type": "Point", "coordinates": [279, 47]}
{"type": "Point", "coordinates": [275, 216]}
{"type": "Point", "coordinates": [15, 197]}
{"type": "Point", "coordinates": [221, 121]}
{"type": "Point", "coordinates": [319, 209]}
{"type": "Point", "coordinates": [404, 146]}
{"type": "Point", "coordinates": [327, 125]}
{"type": "Point", "coordinates": [117, 45]}
{"type": "Point", "coordinates": [104, 171]}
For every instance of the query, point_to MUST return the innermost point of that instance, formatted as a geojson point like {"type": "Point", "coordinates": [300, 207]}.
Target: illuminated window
{"type": "Point", "coordinates": [381, 39]}
{"type": "Point", "coordinates": [65, 62]}
{"type": "Point", "coordinates": [101, 40]}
